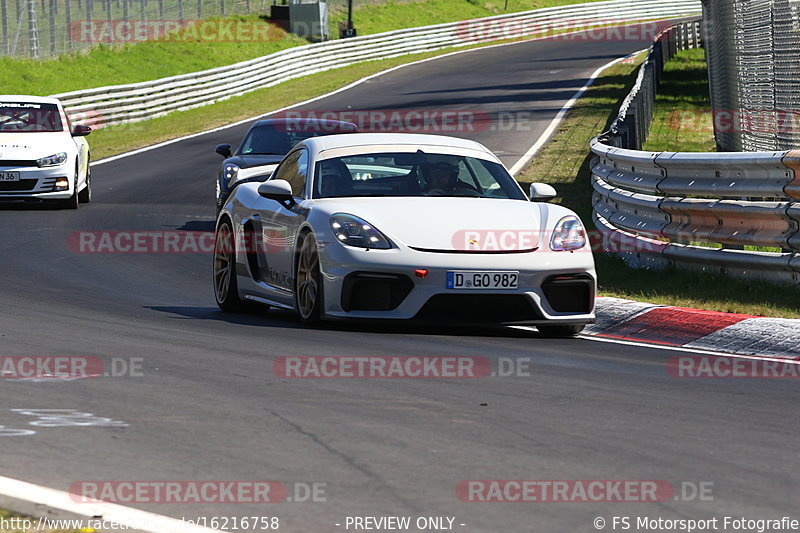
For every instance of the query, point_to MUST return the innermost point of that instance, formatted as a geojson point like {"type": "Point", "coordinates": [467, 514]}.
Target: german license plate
{"type": "Point", "coordinates": [474, 280]}
{"type": "Point", "coordinates": [9, 176]}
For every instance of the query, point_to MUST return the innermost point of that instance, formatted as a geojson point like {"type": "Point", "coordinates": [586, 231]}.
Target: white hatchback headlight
{"type": "Point", "coordinates": [568, 235]}
{"type": "Point", "coordinates": [52, 160]}
{"type": "Point", "coordinates": [355, 231]}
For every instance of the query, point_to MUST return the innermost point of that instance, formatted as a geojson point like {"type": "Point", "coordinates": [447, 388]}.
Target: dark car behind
{"type": "Point", "coordinates": [266, 143]}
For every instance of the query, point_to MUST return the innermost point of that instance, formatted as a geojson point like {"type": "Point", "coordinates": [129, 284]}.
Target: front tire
{"type": "Point", "coordinates": [226, 288]}
{"type": "Point", "coordinates": [85, 196]}
{"type": "Point", "coordinates": [308, 283]}
{"type": "Point", "coordinates": [560, 331]}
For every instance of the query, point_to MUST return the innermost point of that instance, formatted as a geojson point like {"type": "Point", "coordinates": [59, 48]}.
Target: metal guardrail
{"type": "Point", "coordinates": [702, 210]}
{"type": "Point", "coordinates": [141, 101]}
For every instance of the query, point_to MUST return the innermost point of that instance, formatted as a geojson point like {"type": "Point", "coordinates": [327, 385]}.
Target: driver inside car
{"type": "Point", "coordinates": [441, 176]}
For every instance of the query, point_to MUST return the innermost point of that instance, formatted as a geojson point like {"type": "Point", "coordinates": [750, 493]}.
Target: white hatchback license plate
{"type": "Point", "coordinates": [470, 279]}
{"type": "Point", "coordinates": [9, 176]}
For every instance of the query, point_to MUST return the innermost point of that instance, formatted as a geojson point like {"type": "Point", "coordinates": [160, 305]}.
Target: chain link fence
{"type": "Point", "coordinates": [753, 52]}
{"type": "Point", "coordinates": [48, 28]}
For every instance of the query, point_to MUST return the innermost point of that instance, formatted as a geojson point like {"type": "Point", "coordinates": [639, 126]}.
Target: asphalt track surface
{"type": "Point", "coordinates": [208, 406]}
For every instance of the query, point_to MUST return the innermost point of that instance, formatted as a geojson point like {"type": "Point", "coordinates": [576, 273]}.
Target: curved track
{"type": "Point", "coordinates": [209, 407]}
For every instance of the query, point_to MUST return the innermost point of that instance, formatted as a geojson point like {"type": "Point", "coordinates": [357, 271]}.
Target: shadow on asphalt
{"type": "Point", "coordinates": [279, 318]}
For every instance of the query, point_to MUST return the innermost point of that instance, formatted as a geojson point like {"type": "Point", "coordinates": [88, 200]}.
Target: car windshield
{"type": "Point", "coordinates": [278, 139]}
{"type": "Point", "coordinates": [25, 117]}
{"type": "Point", "coordinates": [413, 174]}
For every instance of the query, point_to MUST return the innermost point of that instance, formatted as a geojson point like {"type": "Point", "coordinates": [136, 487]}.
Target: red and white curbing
{"type": "Point", "coordinates": [696, 329]}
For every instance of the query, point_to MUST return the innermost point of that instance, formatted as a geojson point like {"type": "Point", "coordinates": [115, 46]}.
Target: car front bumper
{"type": "Point", "coordinates": [391, 280]}
{"type": "Point", "coordinates": [36, 183]}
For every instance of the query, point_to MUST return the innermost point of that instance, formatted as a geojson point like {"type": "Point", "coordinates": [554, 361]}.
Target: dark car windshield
{"type": "Point", "coordinates": [413, 174]}
{"type": "Point", "coordinates": [26, 117]}
{"type": "Point", "coordinates": [278, 139]}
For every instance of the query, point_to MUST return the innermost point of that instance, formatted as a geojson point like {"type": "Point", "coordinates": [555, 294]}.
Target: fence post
{"type": "Point", "coordinates": [52, 23]}
{"type": "Point", "coordinates": [4, 16]}
{"type": "Point", "coordinates": [33, 30]}
{"type": "Point", "coordinates": [68, 23]}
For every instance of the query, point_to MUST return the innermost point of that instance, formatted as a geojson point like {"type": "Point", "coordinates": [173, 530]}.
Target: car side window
{"type": "Point", "coordinates": [294, 169]}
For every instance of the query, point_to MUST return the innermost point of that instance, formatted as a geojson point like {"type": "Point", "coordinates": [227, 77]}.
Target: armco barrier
{"type": "Point", "coordinates": [704, 210]}
{"type": "Point", "coordinates": [141, 101]}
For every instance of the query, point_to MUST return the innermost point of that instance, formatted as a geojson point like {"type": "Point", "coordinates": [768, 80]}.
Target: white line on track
{"type": "Point", "coordinates": [110, 512]}
{"type": "Point", "coordinates": [544, 137]}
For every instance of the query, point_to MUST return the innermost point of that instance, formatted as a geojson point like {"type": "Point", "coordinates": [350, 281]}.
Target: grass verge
{"type": "Point", "coordinates": [186, 52]}
{"type": "Point", "coordinates": [682, 116]}
{"type": "Point", "coordinates": [564, 163]}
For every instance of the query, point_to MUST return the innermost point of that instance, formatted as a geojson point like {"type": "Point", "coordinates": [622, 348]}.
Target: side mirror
{"type": "Point", "coordinates": [81, 131]}
{"type": "Point", "coordinates": [279, 190]}
{"type": "Point", "coordinates": [541, 192]}
{"type": "Point", "coordinates": [224, 150]}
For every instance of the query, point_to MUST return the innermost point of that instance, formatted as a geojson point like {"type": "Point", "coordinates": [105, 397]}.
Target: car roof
{"type": "Point", "coordinates": [306, 123]}
{"type": "Point", "coordinates": [319, 144]}
{"type": "Point", "coordinates": [28, 98]}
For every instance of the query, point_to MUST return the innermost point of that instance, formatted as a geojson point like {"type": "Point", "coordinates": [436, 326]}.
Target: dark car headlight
{"type": "Point", "coordinates": [229, 173]}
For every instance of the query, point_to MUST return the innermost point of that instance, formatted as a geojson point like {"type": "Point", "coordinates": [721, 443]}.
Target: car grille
{"type": "Point", "coordinates": [570, 293]}
{"type": "Point", "coordinates": [17, 163]}
{"type": "Point", "coordinates": [21, 185]}
{"type": "Point", "coordinates": [483, 308]}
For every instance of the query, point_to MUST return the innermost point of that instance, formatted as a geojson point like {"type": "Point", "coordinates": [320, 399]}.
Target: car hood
{"type": "Point", "coordinates": [451, 224]}
{"type": "Point", "coordinates": [30, 146]}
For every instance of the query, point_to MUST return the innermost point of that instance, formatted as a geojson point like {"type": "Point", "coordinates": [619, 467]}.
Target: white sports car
{"type": "Point", "coordinates": [42, 157]}
{"type": "Point", "coordinates": [403, 226]}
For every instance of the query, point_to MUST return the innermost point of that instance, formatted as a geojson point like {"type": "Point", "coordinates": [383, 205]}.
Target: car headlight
{"type": "Point", "coordinates": [568, 235]}
{"type": "Point", "coordinates": [52, 160]}
{"type": "Point", "coordinates": [354, 231]}
{"type": "Point", "coordinates": [229, 173]}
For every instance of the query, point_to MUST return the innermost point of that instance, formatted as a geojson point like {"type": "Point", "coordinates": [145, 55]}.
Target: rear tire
{"type": "Point", "coordinates": [560, 331]}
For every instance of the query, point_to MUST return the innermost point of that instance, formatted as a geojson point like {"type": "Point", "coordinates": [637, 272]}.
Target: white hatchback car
{"type": "Point", "coordinates": [402, 226]}
{"type": "Point", "coordinates": [42, 157]}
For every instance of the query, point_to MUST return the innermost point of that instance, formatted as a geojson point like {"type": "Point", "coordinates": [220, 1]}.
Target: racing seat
{"type": "Point", "coordinates": [335, 179]}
